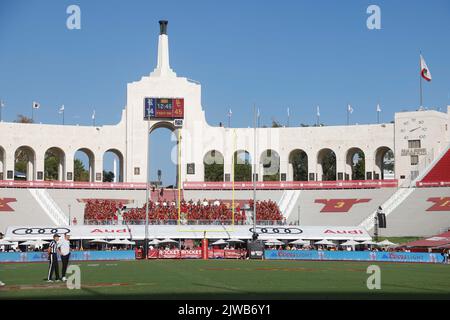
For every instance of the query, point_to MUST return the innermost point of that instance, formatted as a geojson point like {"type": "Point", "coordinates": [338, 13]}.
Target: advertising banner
{"type": "Point", "coordinates": [74, 256]}
{"type": "Point", "coordinates": [137, 232]}
{"type": "Point", "coordinates": [419, 257]}
{"type": "Point", "coordinates": [296, 185]}
{"type": "Point", "coordinates": [195, 254]}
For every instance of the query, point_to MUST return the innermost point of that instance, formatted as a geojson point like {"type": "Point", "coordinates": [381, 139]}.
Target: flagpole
{"type": "Point", "coordinates": [258, 115]}
{"type": "Point", "coordinates": [420, 79]}
{"type": "Point", "coordinates": [1, 108]}
{"type": "Point", "coordinates": [289, 115]}
{"type": "Point", "coordinates": [348, 116]}
{"type": "Point", "coordinates": [32, 112]}
{"type": "Point", "coordinates": [318, 116]}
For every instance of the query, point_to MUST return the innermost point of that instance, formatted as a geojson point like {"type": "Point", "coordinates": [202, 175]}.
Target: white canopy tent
{"type": "Point", "coordinates": [274, 242]}
{"type": "Point", "coordinates": [154, 242]}
{"type": "Point", "coordinates": [300, 242]}
{"type": "Point", "coordinates": [387, 243]}
{"type": "Point", "coordinates": [325, 242]}
{"type": "Point", "coordinates": [370, 243]}
{"type": "Point", "coordinates": [235, 240]}
{"type": "Point", "coordinates": [219, 242]}
{"type": "Point", "coordinates": [116, 241]}
{"type": "Point", "coordinates": [351, 243]}
{"type": "Point", "coordinates": [5, 243]}
{"type": "Point", "coordinates": [98, 241]}
{"type": "Point", "coordinates": [167, 240]}
{"type": "Point", "coordinates": [128, 242]}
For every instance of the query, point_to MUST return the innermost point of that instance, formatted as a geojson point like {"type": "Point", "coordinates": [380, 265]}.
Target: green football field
{"type": "Point", "coordinates": [228, 279]}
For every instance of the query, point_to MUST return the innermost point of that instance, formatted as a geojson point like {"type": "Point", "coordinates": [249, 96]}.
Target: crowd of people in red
{"type": "Point", "coordinates": [109, 210]}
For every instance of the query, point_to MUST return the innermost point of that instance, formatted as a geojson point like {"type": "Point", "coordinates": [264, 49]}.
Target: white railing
{"type": "Point", "coordinates": [388, 206]}
{"type": "Point", "coordinates": [291, 204]}
{"type": "Point", "coordinates": [49, 206]}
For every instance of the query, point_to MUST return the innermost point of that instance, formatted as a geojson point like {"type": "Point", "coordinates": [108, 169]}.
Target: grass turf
{"type": "Point", "coordinates": [228, 279]}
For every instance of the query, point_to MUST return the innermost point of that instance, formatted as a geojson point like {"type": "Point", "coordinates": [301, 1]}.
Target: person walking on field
{"type": "Point", "coordinates": [64, 251]}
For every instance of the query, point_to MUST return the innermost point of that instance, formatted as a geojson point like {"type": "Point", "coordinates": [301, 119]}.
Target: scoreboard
{"type": "Point", "coordinates": [163, 108]}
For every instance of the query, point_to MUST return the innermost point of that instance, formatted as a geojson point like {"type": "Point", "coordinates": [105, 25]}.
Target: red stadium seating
{"type": "Point", "coordinates": [441, 170]}
{"type": "Point", "coordinates": [106, 210]}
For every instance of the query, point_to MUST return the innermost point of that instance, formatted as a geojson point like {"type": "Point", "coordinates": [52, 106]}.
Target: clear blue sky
{"type": "Point", "coordinates": [275, 54]}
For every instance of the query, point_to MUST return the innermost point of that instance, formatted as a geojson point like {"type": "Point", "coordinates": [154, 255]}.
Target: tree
{"type": "Point", "coordinates": [276, 124]}
{"type": "Point", "coordinates": [108, 176]}
{"type": "Point", "coordinates": [80, 173]}
{"type": "Point", "coordinates": [214, 172]}
{"type": "Point", "coordinates": [300, 166]}
{"type": "Point", "coordinates": [23, 119]}
{"type": "Point", "coordinates": [329, 166]}
{"type": "Point", "coordinates": [242, 168]}
{"type": "Point", "coordinates": [51, 166]}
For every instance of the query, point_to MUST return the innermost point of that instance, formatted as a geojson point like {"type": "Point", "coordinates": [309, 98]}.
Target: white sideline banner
{"type": "Point", "coordinates": [137, 232]}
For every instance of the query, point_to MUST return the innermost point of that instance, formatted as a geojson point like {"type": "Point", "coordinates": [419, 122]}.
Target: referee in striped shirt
{"type": "Point", "coordinates": [53, 259]}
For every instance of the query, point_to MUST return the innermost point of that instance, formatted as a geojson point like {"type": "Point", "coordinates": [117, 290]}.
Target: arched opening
{"type": "Point", "coordinates": [24, 163]}
{"type": "Point", "coordinates": [298, 160]}
{"type": "Point", "coordinates": [326, 162]}
{"type": "Point", "coordinates": [355, 164]}
{"type": "Point", "coordinates": [213, 166]}
{"type": "Point", "coordinates": [2, 164]}
{"type": "Point", "coordinates": [84, 165]}
{"type": "Point", "coordinates": [242, 166]}
{"type": "Point", "coordinates": [54, 164]}
{"type": "Point", "coordinates": [270, 161]}
{"type": "Point", "coordinates": [163, 154]}
{"type": "Point", "coordinates": [384, 164]}
{"type": "Point", "coordinates": [113, 167]}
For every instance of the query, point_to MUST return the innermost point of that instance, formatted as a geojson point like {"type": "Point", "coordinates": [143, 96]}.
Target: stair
{"type": "Point", "coordinates": [288, 201]}
{"type": "Point", "coordinates": [388, 206]}
{"type": "Point", "coordinates": [53, 211]}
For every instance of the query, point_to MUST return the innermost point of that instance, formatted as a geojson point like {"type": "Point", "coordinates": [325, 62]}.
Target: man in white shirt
{"type": "Point", "coordinates": [64, 251]}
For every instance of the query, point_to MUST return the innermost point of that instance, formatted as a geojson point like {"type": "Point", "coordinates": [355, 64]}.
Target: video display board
{"type": "Point", "coordinates": [163, 108]}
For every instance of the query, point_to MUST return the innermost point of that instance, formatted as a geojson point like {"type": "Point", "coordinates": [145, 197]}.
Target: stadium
{"type": "Point", "coordinates": [249, 203]}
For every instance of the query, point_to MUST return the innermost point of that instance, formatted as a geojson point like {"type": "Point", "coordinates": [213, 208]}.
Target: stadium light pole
{"type": "Point", "coordinates": [147, 192]}
{"type": "Point", "coordinates": [255, 235]}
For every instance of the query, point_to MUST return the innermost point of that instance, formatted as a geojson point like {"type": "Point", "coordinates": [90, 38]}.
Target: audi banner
{"type": "Point", "coordinates": [137, 232]}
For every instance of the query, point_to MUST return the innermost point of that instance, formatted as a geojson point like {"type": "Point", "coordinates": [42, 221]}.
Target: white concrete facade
{"type": "Point", "coordinates": [129, 138]}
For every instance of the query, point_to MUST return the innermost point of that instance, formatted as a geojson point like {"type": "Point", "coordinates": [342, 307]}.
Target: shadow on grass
{"type": "Point", "coordinates": [94, 295]}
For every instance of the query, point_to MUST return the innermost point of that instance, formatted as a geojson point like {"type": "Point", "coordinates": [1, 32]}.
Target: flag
{"type": "Point", "coordinates": [2, 104]}
{"type": "Point", "coordinates": [230, 113]}
{"type": "Point", "coordinates": [288, 113]}
{"type": "Point", "coordinates": [258, 113]}
{"type": "Point", "coordinates": [93, 115]}
{"type": "Point", "coordinates": [61, 110]}
{"type": "Point", "coordinates": [36, 105]}
{"type": "Point", "coordinates": [424, 71]}
{"type": "Point", "coordinates": [349, 109]}
{"type": "Point", "coordinates": [378, 108]}
{"type": "Point", "coordinates": [318, 111]}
